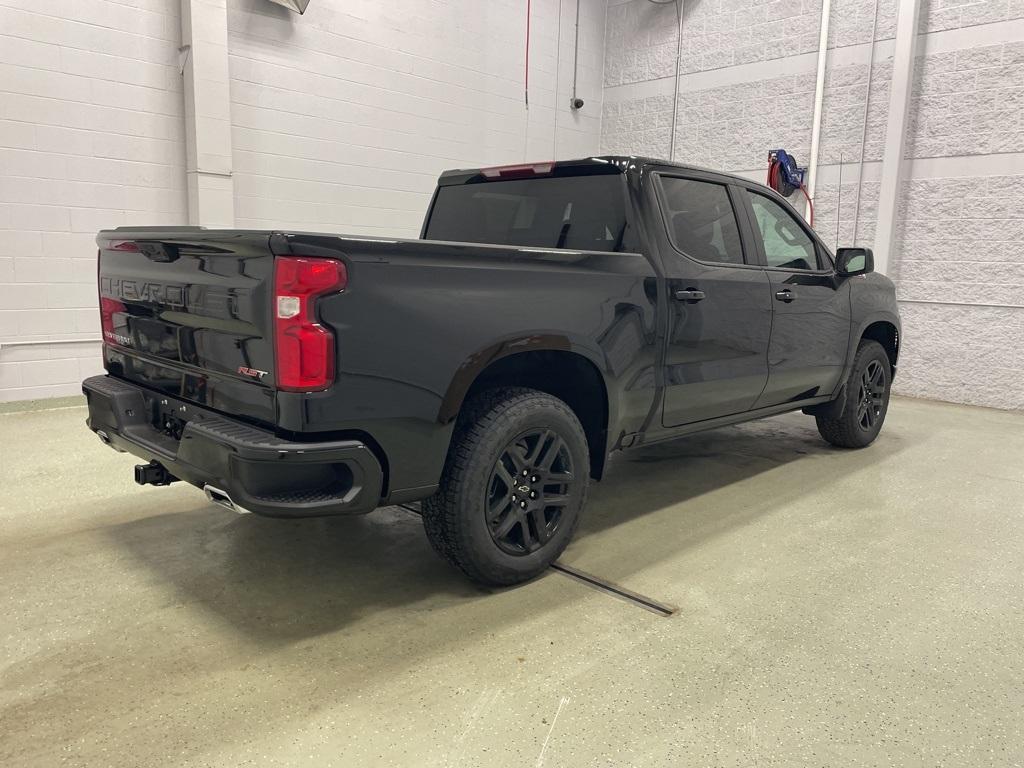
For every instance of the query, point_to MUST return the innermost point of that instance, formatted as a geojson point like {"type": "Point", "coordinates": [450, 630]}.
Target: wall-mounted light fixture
{"type": "Point", "coordinates": [299, 6]}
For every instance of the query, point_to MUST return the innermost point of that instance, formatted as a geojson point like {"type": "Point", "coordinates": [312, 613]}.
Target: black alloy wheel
{"type": "Point", "coordinates": [871, 397]}
{"type": "Point", "coordinates": [513, 487]}
{"type": "Point", "coordinates": [864, 401]}
{"type": "Point", "coordinates": [530, 485]}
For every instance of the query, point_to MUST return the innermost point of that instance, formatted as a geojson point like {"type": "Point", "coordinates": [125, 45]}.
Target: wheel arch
{"type": "Point", "coordinates": [552, 364]}
{"type": "Point", "coordinates": [887, 333]}
{"type": "Point", "coordinates": [882, 326]}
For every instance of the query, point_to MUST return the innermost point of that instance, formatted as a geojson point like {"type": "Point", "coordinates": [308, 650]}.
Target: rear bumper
{"type": "Point", "coordinates": [260, 472]}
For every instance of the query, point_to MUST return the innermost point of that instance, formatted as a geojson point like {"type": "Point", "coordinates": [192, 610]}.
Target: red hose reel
{"type": "Point", "coordinates": [785, 177]}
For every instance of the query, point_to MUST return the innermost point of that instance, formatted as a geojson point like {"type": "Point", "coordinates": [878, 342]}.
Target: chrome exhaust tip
{"type": "Point", "coordinates": [105, 439]}
{"type": "Point", "coordinates": [221, 498]}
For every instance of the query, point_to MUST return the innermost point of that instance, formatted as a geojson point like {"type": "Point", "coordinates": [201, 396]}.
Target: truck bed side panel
{"type": "Point", "coordinates": [418, 315]}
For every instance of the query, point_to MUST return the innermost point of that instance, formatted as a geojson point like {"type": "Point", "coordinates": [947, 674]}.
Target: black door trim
{"type": "Point", "coordinates": [819, 247]}
{"type": "Point", "coordinates": [750, 260]}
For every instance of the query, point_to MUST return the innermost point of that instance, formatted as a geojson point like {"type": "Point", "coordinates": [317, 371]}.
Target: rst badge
{"type": "Point", "coordinates": [252, 373]}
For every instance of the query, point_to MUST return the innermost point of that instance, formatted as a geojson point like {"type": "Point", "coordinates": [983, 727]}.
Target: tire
{"type": "Point", "coordinates": [867, 400]}
{"type": "Point", "coordinates": [476, 520]}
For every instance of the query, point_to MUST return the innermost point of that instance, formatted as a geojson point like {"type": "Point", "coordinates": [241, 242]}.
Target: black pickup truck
{"type": "Point", "coordinates": [550, 315]}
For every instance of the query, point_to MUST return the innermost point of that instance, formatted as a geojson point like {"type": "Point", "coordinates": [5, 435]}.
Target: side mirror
{"type": "Point", "coordinates": [854, 261]}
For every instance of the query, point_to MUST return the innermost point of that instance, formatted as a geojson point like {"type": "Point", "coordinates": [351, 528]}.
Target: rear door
{"type": "Point", "coordinates": [811, 308]}
{"type": "Point", "coordinates": [186, 312]}
{"type": "Point", "coordinates": [719, 302]}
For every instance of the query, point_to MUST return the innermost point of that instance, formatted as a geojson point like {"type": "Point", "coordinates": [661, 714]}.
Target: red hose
{"type": "Point", "coordinates": [773, 182]}
{"type": "Point", "coordinates": [810, 205]}
{"type": "Point", "coordinates": [773, 176]}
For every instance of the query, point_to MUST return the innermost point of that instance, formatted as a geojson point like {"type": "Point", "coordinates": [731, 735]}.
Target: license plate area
{"type": "Point", "coordinates": [159, 339]}
{"type": "Point", "coordinates": [170, 426]}
{"type": "Point", "coordinates": [169, 416]}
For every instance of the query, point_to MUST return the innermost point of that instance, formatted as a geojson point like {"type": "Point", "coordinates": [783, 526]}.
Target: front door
{"type": "Point", "coordinates": [811, 317]}
{"type": "Point", "coordinates": [719, 304]}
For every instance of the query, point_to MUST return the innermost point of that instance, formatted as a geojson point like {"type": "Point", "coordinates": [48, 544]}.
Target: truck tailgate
{"type": "Point", "coordinates": [187, 312]}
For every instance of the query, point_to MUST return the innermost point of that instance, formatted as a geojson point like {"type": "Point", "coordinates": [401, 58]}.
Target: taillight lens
{"type": "Point", "coordinates": [108, 309]}
{"type": "Point", "coordinates": [305, 349]}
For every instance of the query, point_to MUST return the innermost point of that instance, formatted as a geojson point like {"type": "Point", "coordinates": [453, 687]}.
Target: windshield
{"type": "Point", "coordinates": [577, 212]}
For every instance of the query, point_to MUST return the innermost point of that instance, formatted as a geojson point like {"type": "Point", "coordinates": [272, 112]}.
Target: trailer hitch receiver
{"type": "Point", "coordinates": [153, 473]}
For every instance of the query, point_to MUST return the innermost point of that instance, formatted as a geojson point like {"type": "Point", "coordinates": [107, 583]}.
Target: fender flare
{"type": "Point", "coordinates": [883, 316]}
{"type": "Point", "coordinates": [532, 341]}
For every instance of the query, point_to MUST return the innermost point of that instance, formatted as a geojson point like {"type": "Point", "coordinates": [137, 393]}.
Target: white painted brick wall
{"type": "Point", "coordinates": [642, 36]}
{"type": "Point", "coordinates": [640, 42]}
{"type": "Point", "coordinates": [733, 126]}
{"type": "Point", "coordinates": [960, 224]}
{"type": "Point", "coordinates": [826, 199]}
{"type": "Point", "coordinates": [640, 126]}
{"type": "Point", "coordinates": [942, 15]}
{"type": "Point", "coordinates": [842, 127]}
{"type": "Point", "coordinates": [343, 120]}
{"type": "Point", "coordinates": [963, 234]}
{"type": "Point", "coordinates": [968, 102]}
{"type": "Point", "coordinates": [90, 137]}
{"type": "Point", "coordinates": [962, 354]}
{"type": "Point", "coordinates": [850, 22]}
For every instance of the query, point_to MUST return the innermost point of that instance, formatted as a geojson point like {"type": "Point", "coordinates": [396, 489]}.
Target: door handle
{"type": "Point", "coordinates": [785, 295]}
{"type": "Point", "coordinates": [691, 295]}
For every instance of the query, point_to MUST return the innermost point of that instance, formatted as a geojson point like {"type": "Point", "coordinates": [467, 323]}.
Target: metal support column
{"type": "Point", "coordinates": [204, 68]}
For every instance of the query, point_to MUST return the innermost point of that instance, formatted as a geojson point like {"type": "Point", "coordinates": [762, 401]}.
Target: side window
{"type": "Point", "coordinates": [786, 244]}
{"type": "Point", "coordinates": [701, 221]}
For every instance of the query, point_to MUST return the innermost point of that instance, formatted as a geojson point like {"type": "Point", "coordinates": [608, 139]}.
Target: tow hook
{"type": "Point", "coordinates": [153, 473]}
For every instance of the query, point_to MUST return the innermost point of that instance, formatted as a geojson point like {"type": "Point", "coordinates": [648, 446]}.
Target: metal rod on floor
{"type": "Point", "coordinates": [647, 603]}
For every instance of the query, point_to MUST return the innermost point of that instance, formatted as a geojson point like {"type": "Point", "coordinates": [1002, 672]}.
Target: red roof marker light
{"type": "Point", "coordinates": [521, 171]}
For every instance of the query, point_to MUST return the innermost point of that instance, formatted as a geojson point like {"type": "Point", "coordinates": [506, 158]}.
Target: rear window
{"type": "Point", "coordinates": [576, 212]}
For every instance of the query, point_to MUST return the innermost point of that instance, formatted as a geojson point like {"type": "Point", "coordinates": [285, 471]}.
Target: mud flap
{"type": "Point", "coordinates": [830, 410]}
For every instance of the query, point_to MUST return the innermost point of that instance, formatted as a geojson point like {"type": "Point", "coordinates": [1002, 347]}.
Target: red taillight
{"type": "Point", "coordinates": [305, 349]}
{"type": "Point", "coordinates": [517, 171]}
{"type": "Point", "coordinates": [109, 308]}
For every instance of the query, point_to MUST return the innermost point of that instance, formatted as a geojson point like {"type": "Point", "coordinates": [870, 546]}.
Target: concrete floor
{"type": "Point", "coordinates": [835, 608]}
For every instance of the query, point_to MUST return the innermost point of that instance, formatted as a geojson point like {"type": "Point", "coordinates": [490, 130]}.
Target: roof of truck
{"type": "Point", "coordinates": [598, 164]}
